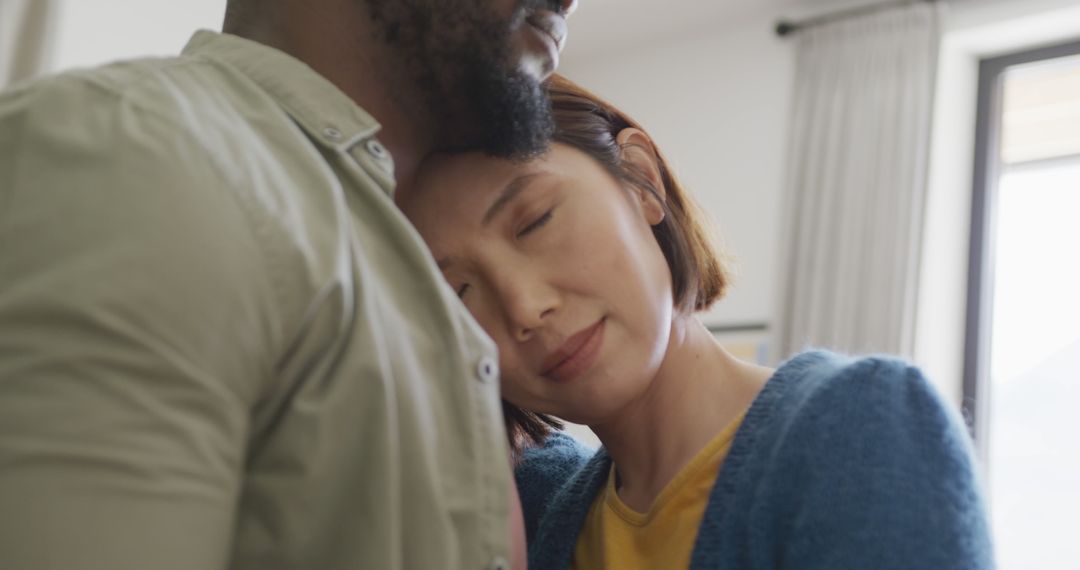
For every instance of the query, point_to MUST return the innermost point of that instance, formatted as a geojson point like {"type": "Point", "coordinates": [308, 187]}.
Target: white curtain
{"type": "Point", "coordinates": [857, 177]}
{"type": "Point", "coordinates": [25, 30]}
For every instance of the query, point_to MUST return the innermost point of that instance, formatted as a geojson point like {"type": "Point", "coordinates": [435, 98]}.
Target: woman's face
{"type": "Point", "coordinates": [556, 260]}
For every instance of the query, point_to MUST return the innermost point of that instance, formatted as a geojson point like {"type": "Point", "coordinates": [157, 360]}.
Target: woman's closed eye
{"type": "Point", "coordinates": [532, 227]}
{"type": "Point", "coordinates": [536, 224]}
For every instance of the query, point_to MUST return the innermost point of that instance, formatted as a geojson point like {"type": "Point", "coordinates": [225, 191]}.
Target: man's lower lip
{"type": "Point", "coordinates": [546, 37]}
{"type": "Point", "coordinates": [580, 362]}
{"type": "Point", "coordinates": [547, 34]}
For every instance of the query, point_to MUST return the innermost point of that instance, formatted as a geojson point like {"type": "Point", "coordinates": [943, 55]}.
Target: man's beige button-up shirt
{"type": "Point", "coordinates": [221, 345]}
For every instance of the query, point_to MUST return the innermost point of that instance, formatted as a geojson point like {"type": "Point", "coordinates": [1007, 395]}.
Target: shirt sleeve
{"type": "Point", "coordinates": [134, 319]}
{"type": "Point", "coordinates": [876, 472]}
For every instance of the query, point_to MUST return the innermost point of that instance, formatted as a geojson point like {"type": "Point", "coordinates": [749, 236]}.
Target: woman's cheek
{"type": "Point", "coordinates": [515, 390]}
{"type": "Point", "coordinates": [486, 316]}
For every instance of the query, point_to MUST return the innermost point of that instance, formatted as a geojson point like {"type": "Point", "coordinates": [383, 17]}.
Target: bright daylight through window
{"type": "Point", "coordinates": [1034, 454]}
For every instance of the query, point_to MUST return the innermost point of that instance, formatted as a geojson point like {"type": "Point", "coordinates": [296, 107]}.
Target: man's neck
{"type": "Point", "coordinates": [698, 391]}
{"type": "Point", "coordinates": [347, 53]}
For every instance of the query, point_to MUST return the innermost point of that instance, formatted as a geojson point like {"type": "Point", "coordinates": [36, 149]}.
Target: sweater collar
{"type": "Point", "coordinates": [557, 532]}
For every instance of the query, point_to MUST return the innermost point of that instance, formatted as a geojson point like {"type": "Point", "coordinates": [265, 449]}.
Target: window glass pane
{"type": "Point", "coordinates": [1035, 368]}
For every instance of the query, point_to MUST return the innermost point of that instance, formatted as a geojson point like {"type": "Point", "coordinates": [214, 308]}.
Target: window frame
{"type": "Point", "coordinates": [982, 247]}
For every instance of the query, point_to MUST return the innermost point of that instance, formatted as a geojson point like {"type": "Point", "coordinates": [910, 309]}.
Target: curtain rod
{"type": "Point", "coordinates": [786, 28]}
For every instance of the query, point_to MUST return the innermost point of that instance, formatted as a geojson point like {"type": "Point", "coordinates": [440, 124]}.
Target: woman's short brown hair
{"type": "Point", "coordinates": [698, 275]}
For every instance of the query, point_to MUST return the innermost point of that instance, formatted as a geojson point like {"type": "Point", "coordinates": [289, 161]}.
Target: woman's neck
{"type": "Point", "coordinates": [698, 390]}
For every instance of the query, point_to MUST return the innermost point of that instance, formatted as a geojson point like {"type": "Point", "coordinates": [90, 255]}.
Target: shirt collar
{"type": "Point", "coordinates": [327, 114]}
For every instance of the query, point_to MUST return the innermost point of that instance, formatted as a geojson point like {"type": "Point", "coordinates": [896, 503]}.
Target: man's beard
{"type": "Point", "coordinates": [458, 55]}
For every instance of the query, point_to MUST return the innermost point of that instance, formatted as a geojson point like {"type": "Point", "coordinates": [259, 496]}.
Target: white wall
{"type": "Point", "coordinates": [92, 32]}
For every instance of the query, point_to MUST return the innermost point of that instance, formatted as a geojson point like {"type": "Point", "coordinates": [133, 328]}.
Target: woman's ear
{"type": "Point", "coordinates": [639, 155]}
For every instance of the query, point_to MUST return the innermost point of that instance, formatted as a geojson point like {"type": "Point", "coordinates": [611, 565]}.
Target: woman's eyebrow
{"type": "Point", "coordinates": [519, 183]}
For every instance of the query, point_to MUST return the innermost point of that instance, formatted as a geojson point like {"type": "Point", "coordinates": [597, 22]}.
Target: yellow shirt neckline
{"type": "Point", "coordinates": [705, 459]}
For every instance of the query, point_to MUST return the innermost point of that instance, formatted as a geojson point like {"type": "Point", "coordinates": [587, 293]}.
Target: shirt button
{"type": "Point", "coordinates": [376, 149]}
{"type": "Point", "coordinates": [498, 563]}
{"type": "Point", "coordinates": [487, 370]}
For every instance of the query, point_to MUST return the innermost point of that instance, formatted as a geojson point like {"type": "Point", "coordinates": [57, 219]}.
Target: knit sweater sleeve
{"type": "Point", "coordinates": [875, 471]}
{"type": "Point", "coordinates": [543, 471]}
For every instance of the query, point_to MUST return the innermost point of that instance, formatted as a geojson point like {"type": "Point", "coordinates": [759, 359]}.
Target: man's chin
{"type": "Point", "coordinates": [515, 144]}
{"type": "Point", "coordinates": [509, 116]}
{"type": "Point", "coordinates": [537, 67]}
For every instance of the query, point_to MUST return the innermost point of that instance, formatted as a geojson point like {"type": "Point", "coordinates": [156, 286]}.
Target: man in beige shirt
{"type": "Point", "coordinates": [221, 345]}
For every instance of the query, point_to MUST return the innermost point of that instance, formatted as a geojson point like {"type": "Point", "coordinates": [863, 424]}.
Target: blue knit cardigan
{"type": "Point", "coordinates": [840, 463]}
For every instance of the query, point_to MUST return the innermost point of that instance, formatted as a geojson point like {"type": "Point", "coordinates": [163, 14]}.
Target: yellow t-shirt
{"type": "Point", "coordinates": [616, 537]}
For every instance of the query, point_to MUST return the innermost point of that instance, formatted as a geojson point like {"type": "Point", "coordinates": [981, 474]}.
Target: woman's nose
{"type": "Point", "coordinates": [528, 305]}
{"type": "Point", "coordinates": [567, 7]}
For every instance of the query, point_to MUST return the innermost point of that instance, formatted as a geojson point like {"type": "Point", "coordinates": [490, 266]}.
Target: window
{"type": "Point", "coordinates": [1022, 364]}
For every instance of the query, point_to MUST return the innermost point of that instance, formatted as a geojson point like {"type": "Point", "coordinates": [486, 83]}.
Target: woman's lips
{"type": "Point", "coordinates": [576, 355]}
